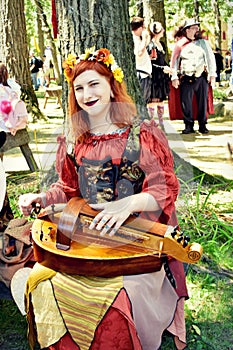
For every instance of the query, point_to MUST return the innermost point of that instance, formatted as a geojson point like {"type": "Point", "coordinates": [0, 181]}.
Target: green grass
{"type": "Point", "coordinates": [13, 327]}
{"type": "Point", "coordinates": [205, 213]}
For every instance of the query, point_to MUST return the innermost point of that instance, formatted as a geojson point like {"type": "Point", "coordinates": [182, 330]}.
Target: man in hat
{"type": "Point", "coordinates": [143, 63]}
{"type": "Point", "coordinates": [194, 67]}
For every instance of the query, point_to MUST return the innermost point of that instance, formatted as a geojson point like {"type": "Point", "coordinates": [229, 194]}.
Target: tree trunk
{"type": "Point", "coordinates": [40, 32]}
{"type": "Point", "coordinates": [100, 23]}
{"type": "Point", "coordinates": [153, 10]}
{"type": "Point", "coordinates": [49, 36]}
{"type": "Point", "coordinates": [196, 9]}
{"type": "Point", "coordinates": [217, 21]}
{"type": "Point", "coordinates": [14, 50]}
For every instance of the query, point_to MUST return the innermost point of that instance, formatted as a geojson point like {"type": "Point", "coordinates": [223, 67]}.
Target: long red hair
{"type": "Point", "coordinates": [122, 110]}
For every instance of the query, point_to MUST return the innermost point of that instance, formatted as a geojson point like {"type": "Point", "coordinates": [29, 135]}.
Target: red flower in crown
{"type": "Point", "coordinates": [104, 55]}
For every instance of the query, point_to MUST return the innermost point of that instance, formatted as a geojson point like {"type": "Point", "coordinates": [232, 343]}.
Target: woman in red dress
{"type": "Point", "coordinates": [120, 167]}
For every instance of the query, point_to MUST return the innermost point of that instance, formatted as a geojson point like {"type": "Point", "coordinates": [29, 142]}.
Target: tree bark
{"type": "Point", "coordinates": [14, 50]}
{"type": "Point", "coordinates": [40, 31]}
{"type": "Point", "coordinates": [100, 23]}
{"type": "Point", "coordinates": [217, 21]}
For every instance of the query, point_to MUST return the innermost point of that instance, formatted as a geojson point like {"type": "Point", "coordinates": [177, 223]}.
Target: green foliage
{"type": "Point", "coordinates": [220, 95]}
{"type": "Point", "coordinates": [205, 223]}
{"type": "Point", "coordinates": [13, 327]}
{"type": "Point", "coordinates": [187, 8]}
{"type": "Point", "coordinates": [31, 19]}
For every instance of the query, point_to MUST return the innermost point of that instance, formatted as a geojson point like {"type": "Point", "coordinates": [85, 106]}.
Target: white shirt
{"type": "Point", "coordinates": [194, 58]}
{"type": "Point", "coordinates": [143, 61]}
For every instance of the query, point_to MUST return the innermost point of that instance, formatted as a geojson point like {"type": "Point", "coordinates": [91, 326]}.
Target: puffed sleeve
{"type": "Point", "coordinates": [156, 160]}
{"type": "Point", "coordinates": [67, 185]}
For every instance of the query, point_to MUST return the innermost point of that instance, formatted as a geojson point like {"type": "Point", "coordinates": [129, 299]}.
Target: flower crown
{"type": "Point", "coordinates": [102, 55]}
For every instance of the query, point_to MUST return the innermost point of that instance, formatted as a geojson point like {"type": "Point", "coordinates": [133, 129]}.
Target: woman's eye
{"type": "Point", "coordinates": [94, 83]}
{"type": "Point", "coordinates": [78, 88]}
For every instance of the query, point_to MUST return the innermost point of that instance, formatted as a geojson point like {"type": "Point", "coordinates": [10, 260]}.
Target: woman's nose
{"type": "Point", "coordinates": [87, 94]}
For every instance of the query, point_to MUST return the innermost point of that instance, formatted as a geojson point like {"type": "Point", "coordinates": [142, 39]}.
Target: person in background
{"type": "Point", "coordinates": [5, 80]}
{"type": "Point", "coordinates": [9, 90]}
{"type": "Point", "coordinates": [160, 73]}
{"type": "Point", "coordinates": [194, 67]}
{"type": "Point", "coordinates": [143, 64]}
{"type": "Point", "coordinates": [219, 65]}
{"type": "Point", "coordinates": [125, 312]}
{"type": "Point", "coordinates": [46, 71]}
{"type": "Point", "coordinates": [228, 65]}
{"type": "Point", "coordinates": [34, 71]}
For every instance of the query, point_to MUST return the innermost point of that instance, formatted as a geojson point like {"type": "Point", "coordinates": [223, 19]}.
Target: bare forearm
{"type": "Point", "coordinates": [143, 201]}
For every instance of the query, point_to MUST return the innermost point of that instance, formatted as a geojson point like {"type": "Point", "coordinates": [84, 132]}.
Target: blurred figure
{"type": "Point", "coordinates": [34, 68]}
{"type": "Point", "coordinates": [5, 80]}
{"type": "Point", "coordinates": [46, 71]}
{"type": "Point", "coordinates": [143, 64]}
{"type": "Point", "coordinates": [228, 65]}
{"type": "Point", "coordinates": [219, 65]}
{"type": "Point", "coordinates": [160, 73]}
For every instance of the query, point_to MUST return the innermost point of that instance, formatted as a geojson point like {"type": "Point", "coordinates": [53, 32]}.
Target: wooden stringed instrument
{"type": "Point", "coordinates": [63, 241]}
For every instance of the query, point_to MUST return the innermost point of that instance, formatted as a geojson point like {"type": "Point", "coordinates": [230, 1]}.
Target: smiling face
{"type": "Point", "coordinates": [93, 93]}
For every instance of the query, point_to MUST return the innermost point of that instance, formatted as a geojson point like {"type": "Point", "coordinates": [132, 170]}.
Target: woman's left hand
{"type": "Point", "coordinates": [112, 216]}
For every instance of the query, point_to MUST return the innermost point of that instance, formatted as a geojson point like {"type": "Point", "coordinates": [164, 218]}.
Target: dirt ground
{"type": "Point", "coordinates": [208, 152]}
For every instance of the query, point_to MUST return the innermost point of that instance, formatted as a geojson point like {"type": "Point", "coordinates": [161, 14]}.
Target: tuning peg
{"type": "Point", "coordinates": [174, 232]}
{"type": "Point", "coordinates": [185, 243]}
{"type": "Point", "coordinates": [36, 208]}
{"type": "Point", "coordinates": [180, 238]}
{"type": "Point", "coordinates": [187, 238]}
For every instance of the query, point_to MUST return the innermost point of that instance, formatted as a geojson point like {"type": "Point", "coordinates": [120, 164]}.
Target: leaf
{"type": "Point", "coordinates": [196, 329]}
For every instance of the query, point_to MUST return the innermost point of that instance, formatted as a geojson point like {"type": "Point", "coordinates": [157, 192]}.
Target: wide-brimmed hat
{"type": "Point", "coordinates": [190, 22]}
{"type": "Point", "coordinates": [156, 27]}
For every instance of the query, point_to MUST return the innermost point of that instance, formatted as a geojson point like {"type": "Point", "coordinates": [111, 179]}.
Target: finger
{"type": "Point", "coordinates": [95, 221]}
{"type": "Point", "coordinates": [108, 226]}
{"type": "Point", "coordinates": [105, 230]}
{"type": "Point", "coordinates": [103, 223]}
{"type": "Point", "coordinates": [115, 229]}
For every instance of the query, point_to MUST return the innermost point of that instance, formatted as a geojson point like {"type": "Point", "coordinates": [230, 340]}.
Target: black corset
{"type": "Point", "coordinates": [102, 180]}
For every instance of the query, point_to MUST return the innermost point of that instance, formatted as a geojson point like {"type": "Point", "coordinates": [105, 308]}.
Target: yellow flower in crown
{"type": "Point", "coordinates": [118, 74]}
{"type": "Point", "coordinates": [71, 60]}
{"type": "Point", "coordinates": [89, 52]}
{"type": "Point", "coordinates": [102, 55]}
{"type": "Point", "coordinates": [68, 65]}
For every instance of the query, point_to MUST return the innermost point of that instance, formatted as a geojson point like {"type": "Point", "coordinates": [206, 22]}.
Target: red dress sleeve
{"type": "Point", "coordinates": [156, 160]}
{"type": "Point", "coordinates": [67, 185]}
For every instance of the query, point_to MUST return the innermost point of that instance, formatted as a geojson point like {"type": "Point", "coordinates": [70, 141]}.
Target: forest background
{"type": "Point", "coordinates": [27, 25]}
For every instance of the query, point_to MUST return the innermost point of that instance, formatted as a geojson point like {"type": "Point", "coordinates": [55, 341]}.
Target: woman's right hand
{"type": "Point", "coordinates": [26, 200]}
{"type": "Point", "coordinates": [175, 83]}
